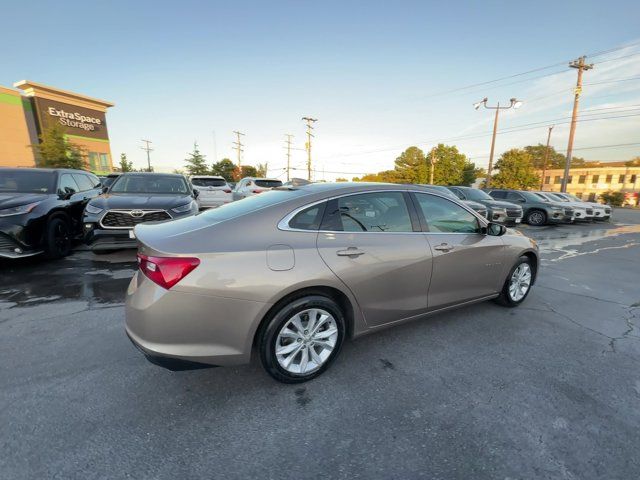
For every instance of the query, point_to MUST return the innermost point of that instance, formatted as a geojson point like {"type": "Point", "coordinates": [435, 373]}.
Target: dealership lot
{"type": "Point", "coordinates": [547, 390]}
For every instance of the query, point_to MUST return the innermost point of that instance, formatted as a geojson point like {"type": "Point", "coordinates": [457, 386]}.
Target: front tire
{"type": "Point", "coordinates": [57, 238]}
{"type": "Point", "coordinates": [536, 218]}
{"type": "Point", "coordinates": [518, 283]}
{"type": "Point", "coordinates": [302, 339]}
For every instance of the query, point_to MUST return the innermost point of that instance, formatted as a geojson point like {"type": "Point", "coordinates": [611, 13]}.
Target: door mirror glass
{"type": "Point", "coordinates": [196, 193]}
{"type": "Point", "coordinates": [496, 230]}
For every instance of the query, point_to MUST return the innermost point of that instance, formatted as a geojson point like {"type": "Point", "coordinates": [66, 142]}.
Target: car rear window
{"type": "Point", "coordinates": [268, 183]}
{"type": "Point", "coordinates": [26, 181]}
{"type": "Point", "coordinates": [208, 182]}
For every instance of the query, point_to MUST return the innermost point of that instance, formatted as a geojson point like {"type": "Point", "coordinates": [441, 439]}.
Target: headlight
{"type": "Point", "coordinates": [8, 212]}
{"type": "Point", "coordinates": [557, 209]}
{"type": "Point", "coordinates": [92, 210]}
{"type": "Point", "coordinates": [183, 208]}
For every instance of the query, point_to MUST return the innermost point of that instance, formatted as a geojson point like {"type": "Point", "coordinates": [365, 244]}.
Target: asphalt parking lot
{"type": "Point", "coordinates": [547, 390]}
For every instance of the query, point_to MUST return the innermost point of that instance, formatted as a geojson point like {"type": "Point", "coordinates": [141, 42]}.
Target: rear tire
{"type": "Point", "coordinates": [302, 339]}
{"type": "Point", "coordinates": [536, 218]}
{"type": "Point", "coordinates": [57, 238]}
{"type": "Point", "coordinates": [518, 283]}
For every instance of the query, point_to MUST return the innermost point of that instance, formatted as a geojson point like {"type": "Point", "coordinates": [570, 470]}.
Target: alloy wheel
{"type": "Point", "coordinates": [536, 218]}
{"type": "Point", "coordinates": [306, 341]}
{"type": "Point", "coordinates": [520, 282]}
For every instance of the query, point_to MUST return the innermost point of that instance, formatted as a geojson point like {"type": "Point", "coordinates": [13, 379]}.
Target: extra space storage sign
{"type": "Point", "coordinates": [75, 120]}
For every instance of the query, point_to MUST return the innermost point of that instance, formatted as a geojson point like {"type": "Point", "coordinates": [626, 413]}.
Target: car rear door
{"type": "Point", "coordinates": [371, 241]}
{"type": "Point", "coordinates": [467, 263]}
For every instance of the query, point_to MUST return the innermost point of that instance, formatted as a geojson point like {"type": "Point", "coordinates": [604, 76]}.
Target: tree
{"type": "Point", "coordinates": [261, 170]}
{"type": "Point", "coordinates": [340, 179]}
{"type": "Point", "coordinates": [56, 151]}
{"type": "Point", "coordinates": [224, 168]}
{"type": "Point", "coordinates": [249, 171]}
{"type": "Point", "coordinates": [555, 160]}
{"type": "Point", "coordinates": [411, 166]}
{"type": "Point", "coordinates": [615, 199]}
{"type": "Point", "coordinates": [516, 170]}
{"type": "Point", "coordinates": [125, 165]}
{"type": "Point", "coordinates": [196, 164]}
{"type": "Point", "coordinates": [635, 162]}
{"type": "Point", "coordinates": [451, 167]}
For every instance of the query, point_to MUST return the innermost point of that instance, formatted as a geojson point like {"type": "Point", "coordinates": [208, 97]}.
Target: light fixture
{"type": "Point", "coordinates": [481, 102]}
{"type": "Point", "coordinates": [515, 103]}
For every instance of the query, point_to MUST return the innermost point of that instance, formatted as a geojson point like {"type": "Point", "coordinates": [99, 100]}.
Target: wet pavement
{"type": "Point", "coordinates": [548, 390]}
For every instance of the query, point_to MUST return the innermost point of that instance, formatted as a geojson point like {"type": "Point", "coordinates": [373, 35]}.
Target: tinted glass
{"type": "Point", "coordinates": [68, 184]}
{"type": "Point", "coordinates": [26, 181]}
{"type": "Point", "coordinates": [496, 194]}
{"type": "Point", "coordinates": [268, 183]}
{"type": "Point", "coordinates": [445, 216]}
{"type": "Point", "coordinates": [83, 181]}
{"type": "Point", "coordinates": [150, 184]}
{"type": "Point", "coordinates": [95, 181]}
{"type": "Point", "coordinates": [208, 182]}
{"type": "Point", "coordinates": [107, 182]}
{"type": "Point", "coordinates": [475, 194]}
{"type": "Point", "coordinates": [459, 194]}
{"type": "Point", "coordinates": [309, 218]}
{"type": "Point", "coordinates": [248, 205]}
{"type": "Point", "coordinates": [372, 212]}
{"type": "Point", "coordinates": [516, 197]}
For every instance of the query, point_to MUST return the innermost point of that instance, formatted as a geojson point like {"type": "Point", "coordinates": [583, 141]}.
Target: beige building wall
{"type": "Point", "coordinates": [590, 183]}
{"type": "Point", "coordinates": [14, 130]}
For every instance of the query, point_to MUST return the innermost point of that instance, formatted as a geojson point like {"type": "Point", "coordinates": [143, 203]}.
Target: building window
{"type": "Point", "coordinates": [104, 161]}
{"type": "Point", "coordinates": [633, 179]}
{"type": "Point", "coordinates": [547, 180]}
{"type": "Point", "coordinates": [570, 179]}
{"type": "Point", "coordinates": [595, 179]}
{"type": "Point", "coordinates": [557, 180]}
{"type": "Point", "coordinates": [621, 179]}
{"type": "Point", "coordinates": [93, 161]}
{"type": "Point", "coordinates": [609, 178]}
{"type": "Point", "coordinates": [582, 179]}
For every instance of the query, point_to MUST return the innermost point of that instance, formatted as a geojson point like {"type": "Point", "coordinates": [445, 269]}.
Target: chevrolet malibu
{"type": "Point", "coordinates": [291, 273]}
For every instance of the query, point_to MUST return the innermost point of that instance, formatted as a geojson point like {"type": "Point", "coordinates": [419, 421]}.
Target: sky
{"type": "Point", "coordinates": [379, 76]}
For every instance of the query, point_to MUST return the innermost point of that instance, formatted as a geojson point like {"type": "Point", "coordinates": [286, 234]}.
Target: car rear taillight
{"type": "Point", "coordinates": [256, 191]}
{"type": "Point", "coordinates": [166, 271]}
{"type": "Point", "coordinates": [226, 190]}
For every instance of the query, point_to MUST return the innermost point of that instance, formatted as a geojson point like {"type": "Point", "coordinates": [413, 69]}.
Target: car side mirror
{"type": "Point", "coordinates": [496, 230]}
{"type": "Point", "coordinates": [66, 194]}
{"type": "Point", "coordinates": [104, 189]}
{"type": "Point", "coordinates": [196, 193]}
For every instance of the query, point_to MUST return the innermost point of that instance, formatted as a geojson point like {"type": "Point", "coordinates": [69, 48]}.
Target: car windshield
{"type": "Point", "coordinates": [208, 182]}
{"type": "Point", "coordinates": [572, 197]}
{"type": "Point", "coordinates": [555, 197]}
{"type": "Point", "coordinates": [108, 181]}
{"type": "Point", "coordinates": [160, 184]}
{"type": "Point", "coordinates": [540, 196]}
{"type": "Point", "coordinates": [475, 194]}
{"type": "Point", "coordinates": [268, 183]}
{"type": "Point", "coordinates": [26, 181]}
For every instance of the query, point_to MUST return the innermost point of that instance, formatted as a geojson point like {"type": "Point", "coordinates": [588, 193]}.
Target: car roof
{"type": "Point", "coordinates": [49, 170]}
{"type": "Point", "coordinates": [152, 174]}
{"type": "Point", "coordinates": [218, 177]}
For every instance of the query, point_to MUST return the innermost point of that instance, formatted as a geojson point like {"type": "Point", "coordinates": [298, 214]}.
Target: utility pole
{"type": "Point", "coordinates": [513, 103]}
{"type": "Point", "coordinates": [432, 161]}
{"type": "Point", "coordinates": [288, 141]}
{"type": "Point", "coordinates": [215, 147]}
{"type": "Point", "coordinates": [309, 121]}
{"type": "Point", "coordinates": [581, 66]}
{"type": "Point", "coordinates": [546, 158]}
{"type": "Point", "coordinates": [148, 149]}
{"type": "Point", "coordinates": [238, 148]}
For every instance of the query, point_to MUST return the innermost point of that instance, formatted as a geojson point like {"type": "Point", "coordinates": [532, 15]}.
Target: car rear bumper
{"type": "Point", "coordinates": [172, 327]}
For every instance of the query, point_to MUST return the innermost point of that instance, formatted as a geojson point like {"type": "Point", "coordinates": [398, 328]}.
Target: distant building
{"type": "Point", "coordinates": [23, 116]}
{"type": "Point", "coordinates": [588, 183]}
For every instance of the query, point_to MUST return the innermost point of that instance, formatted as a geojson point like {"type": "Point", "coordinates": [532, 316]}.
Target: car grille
{"type": "Point", "coordinates": [514, 212]}
{"type": "Point", "coordinates": [589, 211]}
{"type": "Point", "coordinates": [131, 218]}
{"type": "Point", "coordinates": [568, 211]}
{"type": "Point", "coordinates": [6, 243]}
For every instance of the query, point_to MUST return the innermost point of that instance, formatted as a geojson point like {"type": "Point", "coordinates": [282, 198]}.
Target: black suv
{"type": "Point", "coordinates": [537, 210]}
{"type": "Point", "coordinates": [507, 213]}
{"type": "Point", "coordinates": [136, 198]}
{"type": "Point", "coordinates": [41, 210]}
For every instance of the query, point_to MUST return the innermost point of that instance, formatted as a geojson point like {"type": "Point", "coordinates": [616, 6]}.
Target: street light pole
{"type": "Point", "coordinates": [546, 158]}
{"type": "Point", "coordinates": [513, 103]}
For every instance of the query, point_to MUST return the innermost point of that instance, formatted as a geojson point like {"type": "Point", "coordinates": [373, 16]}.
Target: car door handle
{"type": "Point", "coordinates": [350, 252]}
{"type": "Point", "coordinates": [443, 247]}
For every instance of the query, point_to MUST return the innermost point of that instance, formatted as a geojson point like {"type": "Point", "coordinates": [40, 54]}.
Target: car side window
{"type": "Point", "coordinates": [67, 184]}
{"type": "Point", "coordinates": [445, 216]}
{"type": "Point", "coordinates": [497, 194]}
{"type": "Point", "coordinates": [83, 182]}
{"type": "Point", "coordinates": [515, 197]}
{"type": "Point", "coordinates": [95, 181]}
{"type": "Point", "coordinates": [370, 212]}
{"type": "Point", "coordinates": [309, 218]}
{"type": "Point", "coordinates": [458, 193]}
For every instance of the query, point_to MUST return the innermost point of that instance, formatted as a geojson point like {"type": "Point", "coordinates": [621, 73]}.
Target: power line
{"type": "Point", "coordinates": [309, 121]}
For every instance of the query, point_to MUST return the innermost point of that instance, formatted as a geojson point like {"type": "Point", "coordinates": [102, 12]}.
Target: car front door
{"type": "Point", "coordinates": [467, 263]}
{"type": "Point", "coordinates": [372, 242]}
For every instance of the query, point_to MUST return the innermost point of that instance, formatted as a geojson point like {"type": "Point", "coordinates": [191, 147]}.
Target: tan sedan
{"type": "Point", "coordinates": [293, 272]}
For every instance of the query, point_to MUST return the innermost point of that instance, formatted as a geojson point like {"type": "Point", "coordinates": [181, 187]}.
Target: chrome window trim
{"type": "Point", "coordinates": [124, 210]}
{"type": "Point", "coordinates": [283, 224]}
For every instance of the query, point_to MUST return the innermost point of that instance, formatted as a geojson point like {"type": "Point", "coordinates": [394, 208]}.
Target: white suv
{"type": "Point", "coordinates": [600, 211]}
{"type": "Point", "coordinates": [251, 186]}
{"type": "Point", "coordinates": [213, 191]}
